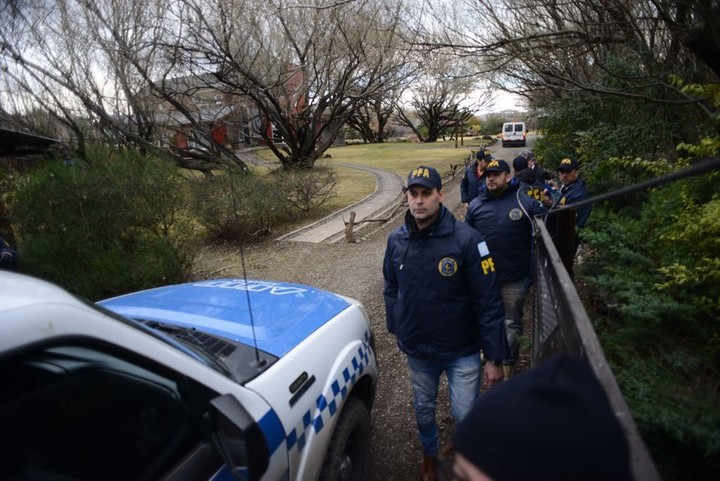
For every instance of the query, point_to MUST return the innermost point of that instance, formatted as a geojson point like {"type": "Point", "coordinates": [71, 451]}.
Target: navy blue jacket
{"type": "Point", "coordinates": [442, 300]}
{"type": "Point", "coordinates": [8, 256]}
{"type": "Point", "coordinates": [529, 184]}
{"type": "Point", "coordinates": [506, 228]}
{"type": "Point", "coordinates": [471, 184]}
{"type": "Point", "coordinates": [576, 192]}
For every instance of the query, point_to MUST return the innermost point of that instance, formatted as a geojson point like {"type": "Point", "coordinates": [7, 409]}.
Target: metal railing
{"type": "Point", "coordinates": [561, 325]}
{"type": "Point", "coordinates": [560, 322]}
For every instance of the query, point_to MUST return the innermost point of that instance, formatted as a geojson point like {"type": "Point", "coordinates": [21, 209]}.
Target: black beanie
{"type": "Point", "coordinates": [551, 423]}
{"type": "Point", "coordinates": [520, 163]}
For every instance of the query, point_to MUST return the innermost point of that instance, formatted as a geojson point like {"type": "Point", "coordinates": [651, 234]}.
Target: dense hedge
{"type": "Point", "coordinates": [656, 276]}
{"type": "Point", "coordinates": [652, 260]}
{"type": "Point", "coordinates": [106, 225]}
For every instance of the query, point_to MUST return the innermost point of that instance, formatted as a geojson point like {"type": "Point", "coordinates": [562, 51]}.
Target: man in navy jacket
{"type": "Point", "coordinates": [443, 303]}
{"type": "Point", "coordinates": [474, 177]}
{"type": "Point", "coordinates": [572, 191]}
{"type": "Point", "coordinates": [503, 216]}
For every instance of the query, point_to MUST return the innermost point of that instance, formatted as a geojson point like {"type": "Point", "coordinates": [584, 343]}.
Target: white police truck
{"type": "Point", "coordinates": [210, 380]}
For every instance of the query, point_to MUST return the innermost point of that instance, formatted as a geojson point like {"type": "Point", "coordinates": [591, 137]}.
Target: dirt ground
{"type": "Point", "coordinates": [354, 270]}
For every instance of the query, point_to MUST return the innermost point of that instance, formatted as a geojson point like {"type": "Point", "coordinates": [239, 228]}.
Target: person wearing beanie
{"type": "Point", "coordinates": [551, 423]}
{"type": "Point", "coordinates": [8, 256]}
{"type": "Point", "coordinates": [443, 304]}
{"type": "Point", "coordinates": [529, 183]}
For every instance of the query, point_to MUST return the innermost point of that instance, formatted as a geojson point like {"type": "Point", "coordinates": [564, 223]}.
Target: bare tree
{"type": "Point", "coordinates": [306, 68]}
{"type": "Point", "coordinates": [72, 60]}
{"type": "Point", "coordinates": [542, 49]}
{"type": "Point", "coordinates": [443, 97]}
{"type": "Point", "coordinates": [371, 118]}
{"type": "Point", "coordinates": [115, 65]}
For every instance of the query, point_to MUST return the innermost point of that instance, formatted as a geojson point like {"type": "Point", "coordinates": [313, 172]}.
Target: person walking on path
{"type": "Point", "coordinates": [474, 177]}
{"type": "Point", "coordinates": [527, 178]}
{"type": "Point", "coordinates": [443, 304]}
{"type": "Point", "coordinates": [541, 175]}
{"type": "Point", "coordinates": [503, 216]}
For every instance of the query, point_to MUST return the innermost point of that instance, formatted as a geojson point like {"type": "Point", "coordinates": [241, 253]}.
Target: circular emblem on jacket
{"type": "Point", "coordinates": [447, 266]}
{"type": "Point", "coordinates": [515, 214]}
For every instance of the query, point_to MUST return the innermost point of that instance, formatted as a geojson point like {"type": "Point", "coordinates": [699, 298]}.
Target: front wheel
{"type": "Point", "coordinates": [348, 456]}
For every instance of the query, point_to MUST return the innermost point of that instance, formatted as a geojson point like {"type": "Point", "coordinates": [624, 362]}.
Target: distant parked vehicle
{"type": "Point", "coordinates": [513, 134]}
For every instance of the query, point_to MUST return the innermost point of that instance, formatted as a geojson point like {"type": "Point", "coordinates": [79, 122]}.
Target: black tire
{"type": "Point", "coordinates": [348, 456]}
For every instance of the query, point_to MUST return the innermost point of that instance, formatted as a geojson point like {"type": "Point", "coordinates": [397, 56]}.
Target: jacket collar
{"type": "Point", "coordinates": [442, 225]}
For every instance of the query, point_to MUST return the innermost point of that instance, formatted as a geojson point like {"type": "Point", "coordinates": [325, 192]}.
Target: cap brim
{"type": "Point", "coordinates": [423, 183]}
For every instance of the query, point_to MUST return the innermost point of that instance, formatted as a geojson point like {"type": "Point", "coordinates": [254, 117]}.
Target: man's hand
{"type": "Point", "coordinates": [547, 200]}
{"type": "Point", "coordinates": [492, 374]}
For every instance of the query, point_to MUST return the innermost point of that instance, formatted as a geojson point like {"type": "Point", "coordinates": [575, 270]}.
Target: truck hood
{"type": "Point", "coordinates": [275, 315]}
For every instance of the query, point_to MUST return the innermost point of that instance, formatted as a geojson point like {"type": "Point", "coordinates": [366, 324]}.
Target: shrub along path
{"type": "Point", "coordinates": [385, 198]}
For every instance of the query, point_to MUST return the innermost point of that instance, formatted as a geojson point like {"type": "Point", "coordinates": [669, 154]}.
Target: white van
{"type": "Point", "coordinates": [513, 133]}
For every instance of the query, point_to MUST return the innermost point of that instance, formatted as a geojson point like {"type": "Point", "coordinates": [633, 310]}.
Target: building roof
{"type": "Point", "coordinates": [13, 142]}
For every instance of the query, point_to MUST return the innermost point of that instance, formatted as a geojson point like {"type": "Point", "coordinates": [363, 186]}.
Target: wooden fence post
{"type": "Point", "coordinates": [349, 235]}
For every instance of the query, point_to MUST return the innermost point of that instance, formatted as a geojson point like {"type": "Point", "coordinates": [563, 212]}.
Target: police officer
{"type": "Point", "coordinates": [526, 178]}
{"type": "Point", "coordinates": [474, 177]}
{"type": "Point", "coordinates": [503, 216]}
{"type": "Point", "coordinates": [442, 302]}
{"type": "Point", "coordinates": [572, 191]}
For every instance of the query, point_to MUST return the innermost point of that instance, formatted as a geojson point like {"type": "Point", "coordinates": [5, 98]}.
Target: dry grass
{"type": "Point", "coordinates": [399, 157]}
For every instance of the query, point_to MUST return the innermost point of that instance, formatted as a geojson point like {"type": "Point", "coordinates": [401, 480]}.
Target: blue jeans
{"type": "Point", "coordinates": [464, 378]}
{"type": "Point", "coordinates": [513, 294]}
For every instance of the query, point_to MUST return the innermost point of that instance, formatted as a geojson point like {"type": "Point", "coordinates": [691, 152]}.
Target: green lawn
{"type": "Point", "coordinates": [399, 157]}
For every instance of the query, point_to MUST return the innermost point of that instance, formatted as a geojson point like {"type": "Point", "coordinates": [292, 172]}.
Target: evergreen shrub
{"type": "Point", "coordinates": [108, 225]}
{"type": "Point", "coordinates": [656, 279]}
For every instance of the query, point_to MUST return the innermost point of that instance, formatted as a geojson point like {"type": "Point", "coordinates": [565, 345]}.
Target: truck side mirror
{"type": "Point", "coordinates": [239, 439]}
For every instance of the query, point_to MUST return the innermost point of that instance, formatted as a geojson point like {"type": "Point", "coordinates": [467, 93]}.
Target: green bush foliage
{"type": "Point", "coordinates": [596, 128]}
{"type": "Point", "coordinates": [652, 258]}
{"type": "Point", "coordinates": [656, 276]}
{"type": "Point", "coordinates": [104, 226]}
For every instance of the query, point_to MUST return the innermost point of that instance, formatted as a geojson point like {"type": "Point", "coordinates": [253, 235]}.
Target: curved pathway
{"type": "Point", "coordinates": [378, 205]}
{"type": "Point", "coordinates": [388, 193]}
